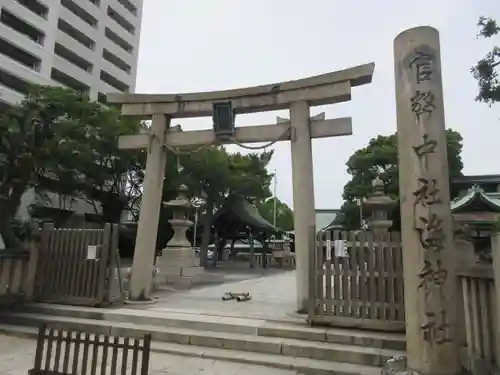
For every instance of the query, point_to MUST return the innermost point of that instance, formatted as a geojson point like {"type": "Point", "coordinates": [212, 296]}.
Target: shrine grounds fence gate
{"type": "Point", "coordinates": [66, 274]}
{"type": "Point", "coordinates": [358, 281]}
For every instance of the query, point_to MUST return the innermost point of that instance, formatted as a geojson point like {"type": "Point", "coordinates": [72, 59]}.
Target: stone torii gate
{"type": "Point", "coordinates": [297, 96]}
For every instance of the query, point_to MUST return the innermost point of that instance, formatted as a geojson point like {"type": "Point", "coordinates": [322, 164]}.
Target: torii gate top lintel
{"type": "Point", "coordinates": [329, 88]}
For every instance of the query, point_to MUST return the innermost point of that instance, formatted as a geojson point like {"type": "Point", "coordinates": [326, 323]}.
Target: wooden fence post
{"type": "Point", "coordinates": [42, 251]}
{"type": "Point", "coordinates": [495, 252]}
{"type": "Point", "coordinates": [29, 286]}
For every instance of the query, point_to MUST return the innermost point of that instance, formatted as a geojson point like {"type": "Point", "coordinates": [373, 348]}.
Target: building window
{"type": "Point", "coordinates": [129, 6]}
{"type": "Point", "coordinates": [115, 16]}
{"type": "Point", "coordinates": [118, 40]}
{"type": "Point", "coordinates": [73, 58]}
{"type": "Point", "coordinates": [17, 24]}
{"type": "Point", "coordinates": [113, 82]}
{"type": "Point", "coordinates": [101, 98]}
{"type": "Point", "coordinates": [20, 56]}
{"type": "Point", "coordinates": [36, 7]}
{"type": "Point", "coordinates": [13, 82]}
{"type": "Point", "coordinates": [80, 12]}
{"type": "Point", "coordinates": [116, 61]}
{"type": "Point", "coordinates": [75, 34]}
{"type": "Point", "coordinates": [68, 81]}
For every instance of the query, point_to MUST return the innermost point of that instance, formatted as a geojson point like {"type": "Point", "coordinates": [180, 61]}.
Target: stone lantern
{"type": "Point", "coordinates": [379, 205]}
{"type": "Point", "coordinates": [179, 222]}
{"type": "Point", "coordinates": [178, 262]}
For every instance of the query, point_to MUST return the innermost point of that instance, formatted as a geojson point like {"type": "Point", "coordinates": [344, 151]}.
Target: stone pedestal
{"type": "Point", "coordinates": [178, 264]}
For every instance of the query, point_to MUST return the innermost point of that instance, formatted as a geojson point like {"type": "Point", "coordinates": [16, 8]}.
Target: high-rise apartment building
{"type": "Point", "coordinates": [87, 45]}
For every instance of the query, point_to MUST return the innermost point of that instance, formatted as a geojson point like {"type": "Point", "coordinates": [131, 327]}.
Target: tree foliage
{"type": "Point", "coordinates": [486, 71]}
{"type": "Point", "coordinates": [380, 159]}
{"type": "Point", "coordinates": [58, 140]}
{"type": "Point", "coordinates": [284, 214]}
{"type": "Point", "coordinates": [211, 175]}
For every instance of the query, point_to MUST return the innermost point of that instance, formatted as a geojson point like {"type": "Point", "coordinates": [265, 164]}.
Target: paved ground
{"type": "Point", "coordinates": [17, 354]}
{"type": "Point", "coordinates": [273, 296]}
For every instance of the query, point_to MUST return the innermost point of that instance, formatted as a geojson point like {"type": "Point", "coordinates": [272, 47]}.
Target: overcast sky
{"type": "Point", "coordinates": [204, 45]}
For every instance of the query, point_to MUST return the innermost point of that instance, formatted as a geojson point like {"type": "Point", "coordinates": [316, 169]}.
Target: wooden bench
{"type": "Point", "coordinates": [65, 349]}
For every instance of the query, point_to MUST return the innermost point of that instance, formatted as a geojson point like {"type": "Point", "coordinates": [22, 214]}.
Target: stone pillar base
{"type": "Point", "coordinates": [179, 267]}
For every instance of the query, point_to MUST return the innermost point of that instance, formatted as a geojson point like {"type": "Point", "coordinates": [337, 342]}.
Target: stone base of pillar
{"type": "Point", "coordinates": [179, 267]}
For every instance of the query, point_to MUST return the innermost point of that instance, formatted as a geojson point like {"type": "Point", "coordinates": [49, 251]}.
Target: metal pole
{"type": "Point", "coordinates": [274, 207]}
{"type": "Point", "coordinates": [360, 204]}
{"type": "Point", "coordinates": [195, 226]}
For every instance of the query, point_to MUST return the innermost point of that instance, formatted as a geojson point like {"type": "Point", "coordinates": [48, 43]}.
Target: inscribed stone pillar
{"type": "Point", "coordinates": [303, 197]}
{"type": "Point", "coordinates": [427, 238]}
{"type": "Point", "coordinates": [145, 245]}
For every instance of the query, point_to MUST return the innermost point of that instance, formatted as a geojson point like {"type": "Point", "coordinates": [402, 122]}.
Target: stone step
{"type": "Point", "coordinates": [258, 327]}
{"type": "Point", "coordinates": [361, 355]}
{"type": "Point", "coordinates": [301, 365]}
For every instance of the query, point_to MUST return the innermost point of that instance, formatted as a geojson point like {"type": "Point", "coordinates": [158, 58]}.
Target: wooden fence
{"type": "Point", "coordinates": [14, 277]}
{"type": "Point", "coordinates": [479, 297]}
{"type": "Point", "coordinates": [358, 282]}
{"type": "Point", "coordinates": [78, 266]}
{"type": "Point", "coordinates": [63, 348]}
{"type": "Point", "coordinates": [477, 286]}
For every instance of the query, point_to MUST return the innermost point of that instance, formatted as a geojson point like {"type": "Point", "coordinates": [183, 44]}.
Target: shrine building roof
{"type": "Point", "coordinates": [476, 198]}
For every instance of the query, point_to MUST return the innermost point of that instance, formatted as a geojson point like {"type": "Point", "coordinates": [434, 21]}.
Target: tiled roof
{"type": "Point", "coordinates": [476, 192]}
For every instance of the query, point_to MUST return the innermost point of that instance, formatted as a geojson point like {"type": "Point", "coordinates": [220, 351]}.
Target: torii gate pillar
{"type": "Point", "coordinates": [304, 216]}
{"type": "Point", "coordinates": [298, 96]}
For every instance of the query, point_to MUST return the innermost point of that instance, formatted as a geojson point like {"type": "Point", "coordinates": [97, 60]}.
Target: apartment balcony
{"type": "Point", "coordinates": [83, 77]}
{"type": "Point", "coordinates": [125, 13]}
{"type": "Point", "coordinates": [78, 48]}
{"type": "Point", "coordinates": [9, 96]}
{"type": "Point", "coordinates": [90, 8]}
{"type": "Point", "coordinates": [122, 33]}
{"type": "Point", "coordinates": [119, 52]}
{"type": "Point", "coordinates": [23, 72]}
{"type": "Point", "coordinates": [78, 23]}
{"type": "Point", "coordinates": [23, 42]}
{"type": "Point", "coordinates": [22, 12]}
{"type": "Point", "coordinates": [117, 73]}
{"type": "Point", "coordinates": [105, 89]}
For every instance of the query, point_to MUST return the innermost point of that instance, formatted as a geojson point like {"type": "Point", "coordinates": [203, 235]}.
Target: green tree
{"type": "Point", "coordinates": [380, 159]}
{"type": "Point", "coordinates": [284, 214]}
{"type": "Point", "coordinates": [58, 140]}
{"type": "Point", "coordinates": [109, 178]}
{"type": "Point", "coordinates": [486, 71]}
{"type": "Point", "coordinates": [212, 174]}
